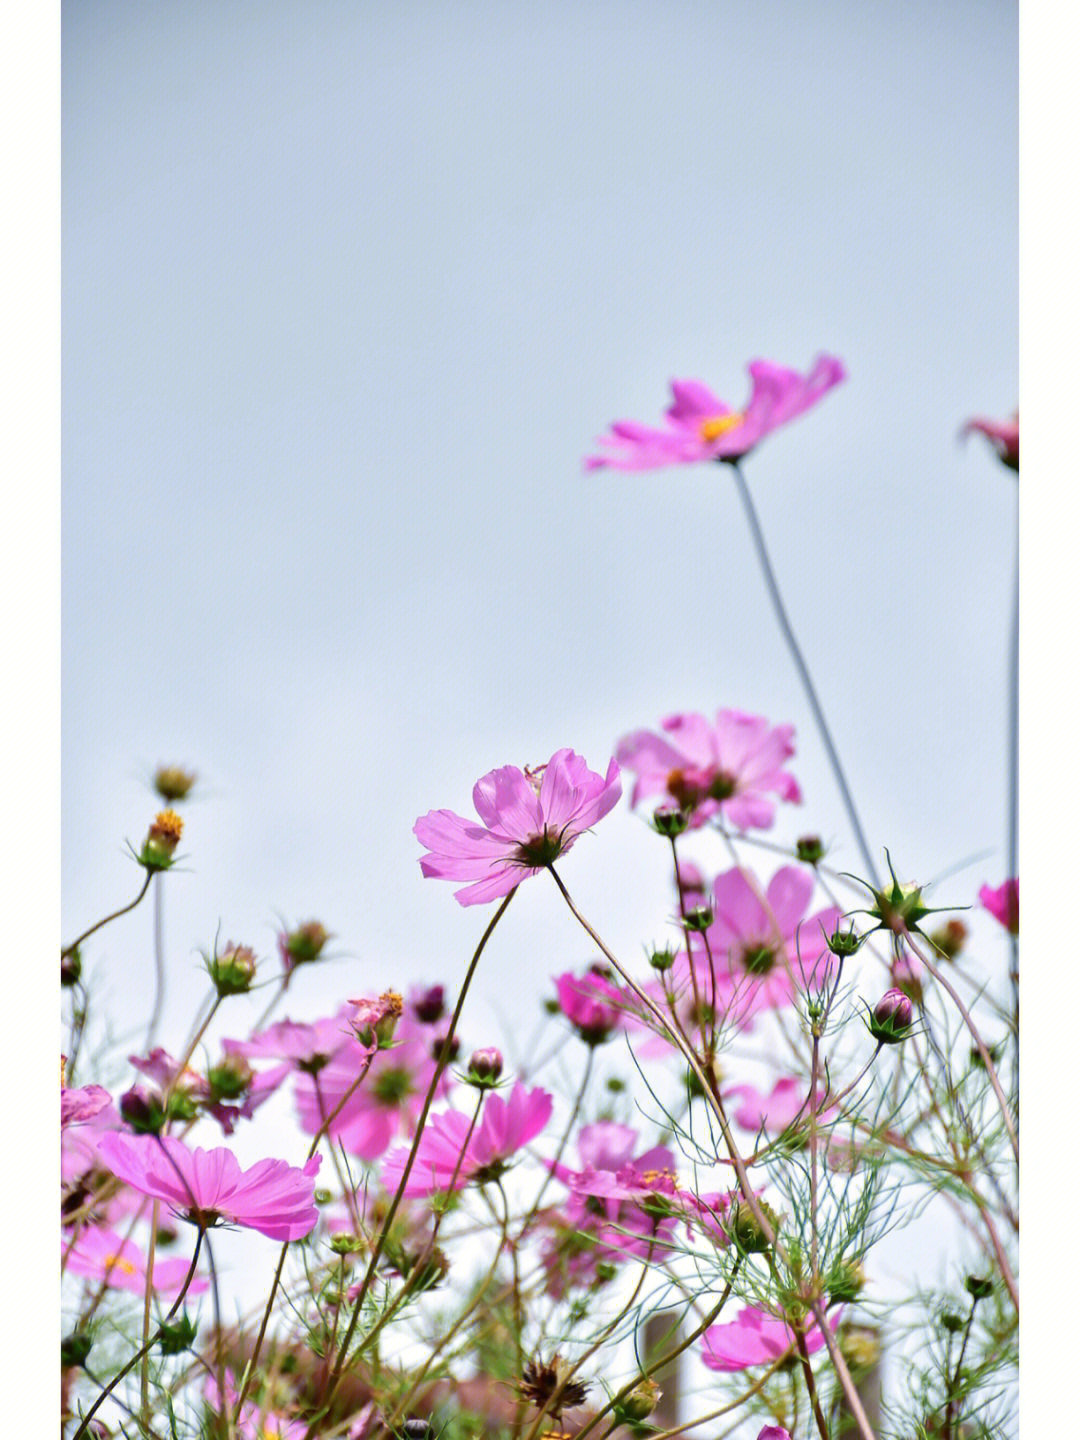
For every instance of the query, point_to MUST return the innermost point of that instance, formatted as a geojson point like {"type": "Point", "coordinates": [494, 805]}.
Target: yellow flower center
{"type": "Point", "coordinates": [117, 1262]}
{"type": "Point", "coordinates": [716, 425]}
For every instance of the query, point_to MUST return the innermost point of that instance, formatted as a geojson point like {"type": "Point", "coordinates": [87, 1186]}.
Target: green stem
{"type": "Point", "coordinates": [70, 949]}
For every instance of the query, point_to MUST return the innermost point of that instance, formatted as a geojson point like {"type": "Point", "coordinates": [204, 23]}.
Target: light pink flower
{"type": "Point", "coordinates": [388, 1098]}
{"type": "Point", "coordinates": [700, 426]}
{"type": "Point", "coordinates": [303, 1044]}
{"type": "Point", "coordinates": [763, 948]}
{"type": "Point", "coordinates": [773, 1432]}
{"type": "Point", "coordinates": [79, 1104]}
{"type": "Point", "coordinates": [1004, 435]}
{"type": "Point", "coordinates": [449, 1158]}
{"type": "Point", "coordinates": [529, 818]}
{"type": "Point", "coordinates": [206, 1186]}
{"type": "Point", "coordinates": [254, 1421]}
{"type": "Point", "coordinates": [103, 1255]}
{"type": "Point", "coordinates": [730, 768]}
{"type": "Point", "coordinates": [782, 1106]}
{"type": "Point", "coordinates": [1004, 904]}
{"type": "Point", "coordinates": [756, 1338]}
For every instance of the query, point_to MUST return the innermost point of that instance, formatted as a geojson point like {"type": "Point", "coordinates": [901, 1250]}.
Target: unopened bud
{"type": "Point", "coordinates": [70, 968]}
{"type": "Point", "coordinates": [843, 942]}
{"type": "Point", "coordinates": [890, 1019]}
{"type": "Point", "coordinates": [605, 1271]}
{"type": "Point", "coordinates": [233, 970]}
{"type": "Point", "coordinates": [898, 907]}
{"type": "Point", "coordinates": [302, 945]}
{"type": "Point", "coordinates": [142, 1111]}
{"type": "Point", "coordinates": [74, 1349]}
{"type": "Point", "coordinates": [485, 1067]}
{"type": "Point", "coordinates": [809, 849]}
{"type": "Point", "coordinates": [979, 1287]}
{"type": "Point", "coordinates": [345, 1243]}
{"type": "Point", "coordinates": [178, 1335]}
{"type": "Point", "coordinates": [698, 918]}
{"type": "Point", "coordinates": [747, 1231]}
{"type": "Point", "coordinates": [445, 1048]}
{"type": "Point", "coordinates": [430, 1005]}
{"type": "Point", "coordinates": [161, 841]}
{"type": "Point", "coordinates": [229, 1079]}
{"type": "Point", "coordinates": [639, 1404]}
{"type": "Point", "coordinates": [950, 939]}
{"type": "Point", "coordinates": [662, 960]}
{"type": "Point", "coordinates": [173, 782]}
{"type": "Point", "coordinates": [322, 1196]}
{"type": "Point", "coordinates": [670, 821]}
{"type": "Point", "coordinates": [952, 1322]}
{"type": "Point", "coordinates": [846, 1282]}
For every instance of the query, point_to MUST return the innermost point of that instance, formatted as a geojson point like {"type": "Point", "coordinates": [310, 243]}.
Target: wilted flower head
{"type": "Point", "coordinates": [81, 1103]}
{"type": "Point", "coordinates": [548, 1382]}
{"type": "Point", "coordinates": [207, 1186]}
{"type": "Point", "coordinates": [161, 841]}
{"type": "Point", "coordinates": [1004, 435]}
{"type": "Point", "coordinates": [529, 818]}
{"type": "Point", "coordinates": [729, 767]}
{"type": "Point", "coordinates": [700, 426]}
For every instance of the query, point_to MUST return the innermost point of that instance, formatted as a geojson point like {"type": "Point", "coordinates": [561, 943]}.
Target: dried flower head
{"type": "Point", "coordinates": [549, 1383]}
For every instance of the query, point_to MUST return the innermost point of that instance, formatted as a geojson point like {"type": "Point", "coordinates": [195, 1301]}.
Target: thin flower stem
{"type": "Point", "coordinates": [84, 1428]}
{"type": "Point", "coordinates": [984, 1054]}
{"type": "Point", "coordinates": [712, 1094]}
{"type": "Point", "coordinates": [811, 1388]}
{"type": "Point", "coordinates": [159, 963]}
{"type": "Point", "coordinates": [954, 1383]}
{"type": "Point", "coordinates": [440, 1065]}
{"type": "Point", "coordinates": [144, 1380]}
{"type": "Point", "coordinates": [124, 909]}
{"type": "Point", "coordinates": [1014, 799]}
{"type": "Point", "coordinates": [578, 1098]}
{"type": "Point", "coordinates": [801, 667]}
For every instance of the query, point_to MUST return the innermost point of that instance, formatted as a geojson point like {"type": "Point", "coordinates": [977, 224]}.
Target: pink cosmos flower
{"type": "Point", "coordinates": [728, 768]}
{"type": "Point", "coordinates": [79, 1104]}
{"type": "Point", "coordinates": [1004, 904]}
{"type": "Point", "coordinates": [254, 1421]}
{"type": "Point", "coordinates": [702, 427]}
{"type": "Point", "coordinates": [529, 818]}
{"type": "Point", "coordinates": [591, 1003]}
{"type": "Point", "coordinates": [449, 1158]}
{"type": "Point", "coordinates": [103, 1255]}
{"type": "Point", "coordinates": [388, 1098]}
{"type": "Point", "coordinates": [206, 1186]}
{"type": "Point", "coordinates": [773, 1432]}
{"type": "Point", "coordinates": [1004, 435]}
{"type": "Point", "coordinates": [763, 947]}
{"type": "Point", "coordinates": [773, 1113]}
{"type": "Point", "coordinates": [305, 1045]}
{"type": "Point", "coordinates": [756, 1338]}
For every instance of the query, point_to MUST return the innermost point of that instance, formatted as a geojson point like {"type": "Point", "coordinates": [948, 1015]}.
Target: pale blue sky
{"type": "Point", "coordinates": [350, 289]}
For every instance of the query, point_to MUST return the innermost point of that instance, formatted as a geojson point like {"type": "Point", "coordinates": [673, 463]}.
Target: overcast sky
{"type": "Point", "coordinates": [349, 290]}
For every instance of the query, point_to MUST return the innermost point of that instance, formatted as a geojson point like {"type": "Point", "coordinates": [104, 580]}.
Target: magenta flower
{"type": "Point", "coordinates": [1004, 904]}
{"type": "Point", "coordinates": [206, 1186]}
{"type": "Point", "coordinates": [756, 1338]}
{"type": "Point", "coordinates": [591, 1003]}
{"type": "Point", "coordinates": [107, 1257]}
{"type": "Point", "coordinates": [449, 1158]}
{"type": "Point", "coordinates": [729, 768]}
{"type": "Point", "coordinates": [1004, 435]}
{"type": "Point", "coordinates": [529, 818]}
{"type": "Point", "coordinates": [702, 427]}
{"type": "Point", "coordinates": [782, 1106]}
{"type": "Point", "coordinates": [305, 1045]}
{"type": "Point", "coordinates": [773, 1432]}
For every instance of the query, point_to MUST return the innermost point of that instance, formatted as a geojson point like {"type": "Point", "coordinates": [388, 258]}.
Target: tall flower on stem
{"type": "Point", "coordinates": [528, 819]}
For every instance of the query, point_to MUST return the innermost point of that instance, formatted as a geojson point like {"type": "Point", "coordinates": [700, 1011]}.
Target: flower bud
{"type": "Point", "coordinates": [949, 940]}
{"type": "Point", "coordinates": [747, 1231]}
{"type": "Point", "coordinates": [430, 1005]}
{"type": "Point", "coordinates": [890, 1019]}
{"type": "Point", "coordinates": [898, 907]}
{"type": "Point", "coordinates": [698, 918]}
{"type": "Point", "coordinates": [233, 970]}
{"type": "Point", "coordinates": [979, 1287]}
{"type": "Point", "coordinates": [161, 841]}
{"type": "Point", "coordinates": [809, 849]}
{"type": "Point", "coordinates": [662, 960]}
{"type": "Point", "coordinates": [845, 1283]}
{"type": "Point", "coordinates": [302, 945]}
{"type": "Point", "coordinates": [178, 1335]}
{"type": "Point", "coordinates": [615, 1085]}
{"type": "Point", "coordinates": [952, 1322]}
{"type": "Point", "coordinates": [843, 942]}
{"type": "Point", "coordinates": [229, 1079]}
{"type": "Point", "coordinates": [74, 1349]}
{"type": "Point", "coordinates": [448, 1048]}
{"type": "Point", "coordinates": [70, 968]}
{"type": "Point", "coordinates": [905, 978]}
{"type": "Point", "coordinates": [323, 1196]}
{"type": "Point", "coordinates": [485, 1067]}
{"type": "Point", "coordinates": [345, 1243]}
{"type": "Point", "coordinates": [605, 1271]}
{"type": "Point", "coordinates": [173, 782]}
{"type": "Point", "coordinates": [415, 1429]}
{"type": "Point", "coordinates": [639, 1404]}
{"type": "Point", "coordinates": [670, 821]}
{"type": "Point", "coordinates": [142, 1111]}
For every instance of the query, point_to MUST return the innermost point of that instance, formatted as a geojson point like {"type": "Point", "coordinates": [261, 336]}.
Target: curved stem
{"type": "Point", "coordinates": [800, 665]}
{"type": "Point", "coordinates": [70, 949]}
{"type": "Point", "coordinates": [84, 1427]}
{"type": "Point", "coordinates": [159, 965]}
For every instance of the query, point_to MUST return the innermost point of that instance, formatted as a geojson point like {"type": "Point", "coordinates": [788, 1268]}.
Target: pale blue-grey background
{"type": "Point", "coordinates": [349, 291]}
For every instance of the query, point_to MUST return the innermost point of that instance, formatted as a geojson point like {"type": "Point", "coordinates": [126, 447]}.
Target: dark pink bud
{"type": "Point", "coordinates": [429, 1005]}
{"type": "Point", "coordinates": [891, 1017]}
{"type": "Point", "coordinates": [485, 1066]}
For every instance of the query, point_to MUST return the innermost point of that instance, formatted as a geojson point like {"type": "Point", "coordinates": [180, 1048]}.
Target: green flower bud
{"type": "Point", "coordinates": [809, 849]}
{"type": "Point", "coordinates": [74, 1349]}
{"type": "Point", "coordinates": [746, 1230]}
{"type": "Point", "coordinates": [178, 1335]}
